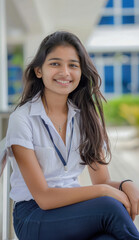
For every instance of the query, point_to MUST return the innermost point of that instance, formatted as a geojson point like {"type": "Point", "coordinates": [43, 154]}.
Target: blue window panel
{"type": "Point", "coordinates": [126, 78]}
{"type": "Point", "coordinates": [14, 73]}
{"type": "Point", "coordinates": [107, 20]}
{"type": "Point", "coordinates": [92, 55]}
{"type": "Point", "coordinates": [128, 19]}
{"type": "Point", "coordinates": [109, 79]}
{"type": "Point", "coordinates": [127, 54]}
{"type": "Point", "coordinates": [109, 4]}
{"type": "Point", "coordinates": [11, 90]}
{"type": "Point", "coordinates": [128, 3]}
{"type": "Point", "coordinates": [108, 54]}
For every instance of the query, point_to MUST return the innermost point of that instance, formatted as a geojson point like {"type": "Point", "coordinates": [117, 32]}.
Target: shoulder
{"type": "Point", "coordinates": [19, 130]}
{"type": "Point", "coordinates": [30, 108]}
{"type": "Point", "coordinates": [21, 113]}
{"type": "Point", "coordinates": [25, 115]}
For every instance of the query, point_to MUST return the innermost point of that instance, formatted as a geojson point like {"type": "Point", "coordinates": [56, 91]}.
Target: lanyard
{"type": "Point", "coordinates": [56, 148]}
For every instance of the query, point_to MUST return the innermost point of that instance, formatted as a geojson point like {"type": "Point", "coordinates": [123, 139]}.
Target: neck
{"type": "Point", "coordinates": [55, 104]}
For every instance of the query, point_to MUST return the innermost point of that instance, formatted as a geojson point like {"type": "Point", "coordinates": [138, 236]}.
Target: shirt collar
{"type": "Point", "coordinates": [37, 109]}
{"type": "Point", "coordinates": [72, 110]}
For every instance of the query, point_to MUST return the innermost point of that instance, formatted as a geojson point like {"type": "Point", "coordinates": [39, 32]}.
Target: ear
{"type": "Point", "coordinates": [38, 72]}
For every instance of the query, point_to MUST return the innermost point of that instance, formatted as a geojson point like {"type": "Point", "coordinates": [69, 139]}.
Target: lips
{"type": "Point", "coordinates": [63, 82]}
{"type": "Point", "coordinates": [60, 81]}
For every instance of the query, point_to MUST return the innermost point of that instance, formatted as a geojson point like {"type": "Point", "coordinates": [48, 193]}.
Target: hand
{"type": "Point", "coordinates": [120, 196]}
{"type": "Point", "coordinates": [132, 193]}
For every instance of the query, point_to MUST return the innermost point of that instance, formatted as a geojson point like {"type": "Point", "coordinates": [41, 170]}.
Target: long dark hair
{"type": "Point", "coordinates": [87, 96]}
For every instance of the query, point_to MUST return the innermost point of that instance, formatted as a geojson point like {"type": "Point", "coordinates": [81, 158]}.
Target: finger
{"type": "Point", "coordinates": [133, 216]}
{"type": "Point", "coordinates": [128, 207]}
{"type": "Point", "coordinates": [138, 208]}
{"type": "Point", "coordinates": [134, 209]}
{"type": "Point", "coordinates": [129, 210]}
{"type": "Point", "coordinates": [126, 203]}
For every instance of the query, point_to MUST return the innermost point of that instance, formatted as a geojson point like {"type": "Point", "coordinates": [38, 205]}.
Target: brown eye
{"type": "Point", "coordinates": [54, 64]}
{"type": "Point", "coordinates": [73, 65]}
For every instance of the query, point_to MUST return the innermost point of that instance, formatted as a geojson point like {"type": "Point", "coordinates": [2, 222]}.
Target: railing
{"type": "Point", "coordinates": [7, 226]}
{"type": "Point", "coordinates": [6, 204]}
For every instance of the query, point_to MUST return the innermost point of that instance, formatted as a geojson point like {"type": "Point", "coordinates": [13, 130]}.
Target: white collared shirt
{"type": "Point", "coordinates": [26, 129]}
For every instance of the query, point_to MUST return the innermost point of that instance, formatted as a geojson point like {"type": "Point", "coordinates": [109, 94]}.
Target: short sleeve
{"type": "Point", "coordinates": [19, 130]}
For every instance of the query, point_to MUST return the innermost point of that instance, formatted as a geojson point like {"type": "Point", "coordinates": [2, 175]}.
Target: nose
{"type": "Point", "coordinates": [64, 71]}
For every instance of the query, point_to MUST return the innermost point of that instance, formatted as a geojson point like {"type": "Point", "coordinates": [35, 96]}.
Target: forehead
{"type": "Point", "coordinates": [63, 52]}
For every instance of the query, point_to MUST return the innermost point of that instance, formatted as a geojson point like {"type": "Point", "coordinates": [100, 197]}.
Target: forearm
{"type": "Point", "coordinates": [113, 184]}
{"type": "Point", "coordinates": [59, 197]}
{"type": "Point", "coordinates": [102, 176]}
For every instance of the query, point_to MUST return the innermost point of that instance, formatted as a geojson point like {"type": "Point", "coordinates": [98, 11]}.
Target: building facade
{"type": "Point", "coordinates": [114, 47]}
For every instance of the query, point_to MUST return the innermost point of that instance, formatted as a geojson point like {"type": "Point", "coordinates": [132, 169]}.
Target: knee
{"type": "Point", "coordinates": [110, 203]}
{"type": "Point", "coordinates": [103, 236]}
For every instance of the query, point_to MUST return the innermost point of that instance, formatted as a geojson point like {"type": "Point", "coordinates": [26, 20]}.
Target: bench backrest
{"type": "Point", "coordinates": [5, 177]}
{"type": "Point", "coordinates": [2, 155]}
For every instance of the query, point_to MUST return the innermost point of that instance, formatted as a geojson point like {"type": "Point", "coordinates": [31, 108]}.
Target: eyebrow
{"type": "Point", "coordinates": [71, 60]}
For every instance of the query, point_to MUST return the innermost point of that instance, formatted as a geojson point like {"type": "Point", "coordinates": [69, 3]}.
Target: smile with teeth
{"type": "Point", "coordinates": [63, 82]}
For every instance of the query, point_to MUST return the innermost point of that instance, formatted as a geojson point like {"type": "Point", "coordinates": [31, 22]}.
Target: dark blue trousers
{"type": "Point", "coordinates": [97, 219]}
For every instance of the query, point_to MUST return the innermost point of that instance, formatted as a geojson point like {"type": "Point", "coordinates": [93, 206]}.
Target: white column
{"type": "Point", "coordinates": [134, 73]}
{"type": "Point", "coordinates": [117, 78]}
{"type": "Point", "coordinates": [3, 58]}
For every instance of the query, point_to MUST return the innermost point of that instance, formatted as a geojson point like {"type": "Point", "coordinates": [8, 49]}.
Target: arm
{"type": "Point", "coordinates": [101, 175]}
{"type": "Point", "coordinates": [48, 198]}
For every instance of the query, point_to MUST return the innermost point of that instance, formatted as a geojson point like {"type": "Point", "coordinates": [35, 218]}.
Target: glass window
{"type": "Point", "coordinates": [127, 54]}
{"type": "Point", "coordinates": [107, 20]}
{"type": "Point", "coordinates": [109, 4]}
{"type": "Point", "coordinates": [15, 72]}
{"type": "Point", "coordinates": [109, 79]}
{"type": "Point", "coordinates": [128, 19]}
{"type": "Point", "coordinates": [127, 3]}
{"type": "Point", "coordinates": [92, 55]}
{"type": "Point", "coordinates": [108, 54]}
{"type": "Point", "coordinates": [14, 83]}
{"type": "Point", "coordinates": [126, 78]}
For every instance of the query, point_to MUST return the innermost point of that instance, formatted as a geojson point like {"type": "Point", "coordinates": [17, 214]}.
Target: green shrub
{"type": "Point", "coordinates": [117, 113]}
{"type": "Point", "coordinates": [130, 113]}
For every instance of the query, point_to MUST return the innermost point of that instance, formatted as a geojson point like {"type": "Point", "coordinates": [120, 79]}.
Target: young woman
{"type": "Point", "coordinates": [57, 128]}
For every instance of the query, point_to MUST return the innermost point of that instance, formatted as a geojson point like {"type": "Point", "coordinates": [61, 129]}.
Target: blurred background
{"type": "Point", "coordinates": [109, 29]}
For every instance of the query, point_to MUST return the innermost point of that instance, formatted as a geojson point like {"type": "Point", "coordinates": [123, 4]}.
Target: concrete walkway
{"type": "Point", "coordinates": [125, 157]}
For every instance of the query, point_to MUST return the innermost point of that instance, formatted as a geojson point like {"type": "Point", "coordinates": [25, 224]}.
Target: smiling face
{"type": "Point", "coordinates": [61, 71]}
